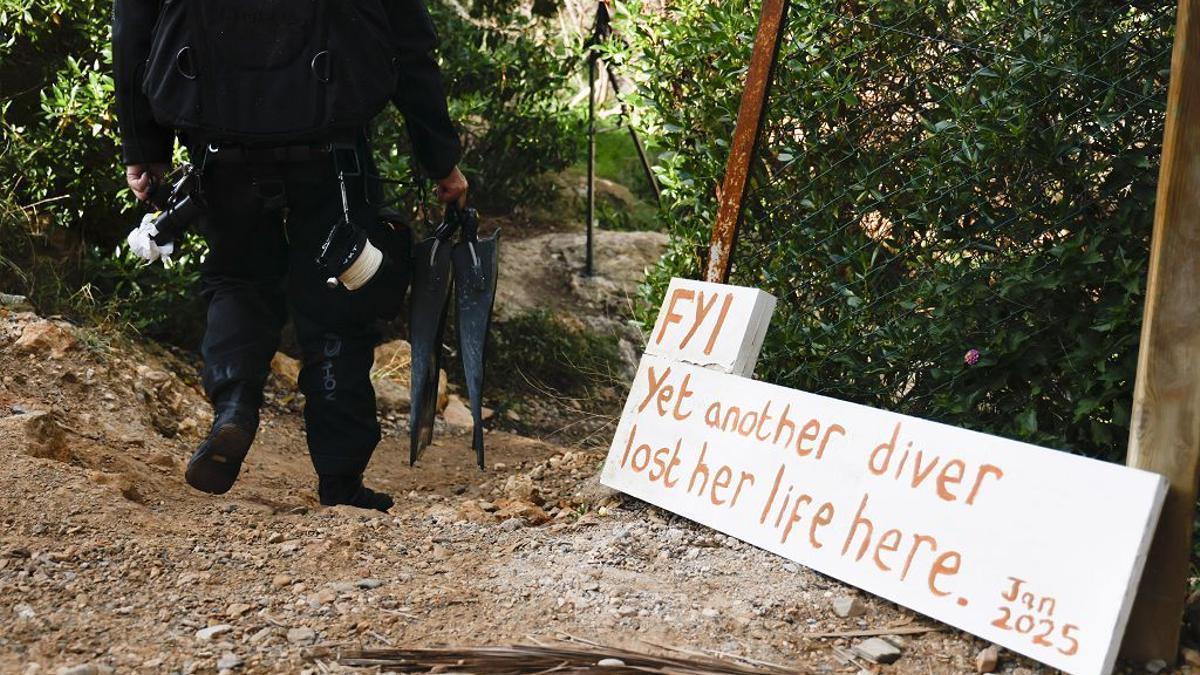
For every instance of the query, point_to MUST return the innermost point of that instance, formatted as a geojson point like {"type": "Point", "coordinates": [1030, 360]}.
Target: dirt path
{"type": "Point", "coordinates": [108, 560]}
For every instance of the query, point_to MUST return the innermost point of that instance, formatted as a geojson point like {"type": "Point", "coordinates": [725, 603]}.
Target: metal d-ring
{"type": "Point", "coordinates": [322, 56]}
{"type": "Point", "coordinates": [185, 53]}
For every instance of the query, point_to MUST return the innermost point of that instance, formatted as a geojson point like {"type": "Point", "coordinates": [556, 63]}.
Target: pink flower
{"type": "Point", "coordinates": [971, 357]}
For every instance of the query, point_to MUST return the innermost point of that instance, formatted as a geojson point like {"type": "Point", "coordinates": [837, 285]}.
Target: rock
{"type": "Point", "coordinates": [457, 414]}
{"type": "Point", "coordinates": [611, 663]}
{"type": "Point", "coordinates": [471, 511]}
{"type": "Point", "coordinates": [281, 581]}
{"type": "Point", "coordinates": [82, 669]}
{"type": "Point", "coordinates": [326, 596]}
{"type": "Point", "coordinates": [443, 390]}
{"type": "Point", "coordinates": [229, 661]}
{"type": "Point", "coordinates": [522, 488]}
{"type": "Point", "coordinates": [1155, 666]}
{"type": "Point", "coordinates": [237, 609]}
{"type": "Point", "coordinates": [43, 433]}
{"type": "Point", "coordinates": [15, 303]}
{"type": "Point", "coordinates": [877, 650]}
{"type": "Point", "coordinates": [301, 636]}
{"type": "Point", "coordinates": [530, 513]}
{"type": "Point", "coordinates": [391, 396]}
{"type": "Point", "coordinates": [591, 492]}
{"type": "Point", "coordinates": [286, 368]}
{"type": "Point", "coordinates": [393, 361]}
{"type": "Point", "coordinates": [369, 583]}
{"type": "Point", "coordinates": [848, 607]}
{"type": "Point", "coordinates": [987, 660]}
{"type": "Point", "coordinates": [45, 337]}
{"type": "Point", "coordinates": [24, 611]}
{"type": "Point", "coordinates": [207, 634]}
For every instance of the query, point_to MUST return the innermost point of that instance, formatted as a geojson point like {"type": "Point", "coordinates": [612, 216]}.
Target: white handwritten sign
{"type": "Point", "coordinates": [1033, 549]}
{"type": "Point", "coordinates": [712, 325]}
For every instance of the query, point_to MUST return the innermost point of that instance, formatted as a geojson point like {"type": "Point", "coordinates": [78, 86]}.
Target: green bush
{"type": "Point", "coordinates": [507, 89]}
{"type": "Point", "coordinates": [936, 178]}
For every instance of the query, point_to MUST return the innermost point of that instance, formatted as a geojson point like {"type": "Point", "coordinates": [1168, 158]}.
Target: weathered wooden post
{"type": "Point", "coordinates": [1166, 403]}
{"type": "Point", "coordinates": [746, 135]}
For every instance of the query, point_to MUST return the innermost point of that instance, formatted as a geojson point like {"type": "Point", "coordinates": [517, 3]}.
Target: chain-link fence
{"type": "Point", "coordinates": [953, 202]}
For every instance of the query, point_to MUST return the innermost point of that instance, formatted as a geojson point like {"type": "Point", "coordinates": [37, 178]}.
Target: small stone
{"type": "Point", "coordinates": [877, 650]}
{"type": "Point", "coordinates": [46, 338]}
{"type": "Point", "coordinates": [326, 596]}
{"type": "Point", "coordinates": [848, 607]}
{"type": "Point", "coordinates": [611, 663]}
{"type": "Point", "coordinates": [207, 634]}
{"type": "Point", "coordinates": [16, 303]}
{"type": "Point", "coordinates": [369, 583]}
{"type": "Point", "coordinates": [457, 414]}
{"type": "Point", "coordinates": [987, 660]}
{"type": "Point", "coordinates": [709, 612]}
{"type": "Point", "coordinates": [262, 634]}
{"type": "Point", "coordinates": [229, 661]}
{"type": "Point", "coordinates": [81, 669]}
{"type": "Point", "coordinates": [24, 611]}
{"type": "Point", "coordinates": [236, 610]}
{"type": "Point", "coordinates": [281, 581]}
{"type": "Point", "coordinates": [301, 636]}
{"type": "Point", "coordinates": [1157, 665]}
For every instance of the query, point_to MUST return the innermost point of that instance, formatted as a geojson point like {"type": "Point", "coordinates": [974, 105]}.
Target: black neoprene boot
{"type": "Point", "coordinates": [215, 465]}
{"type": "Point", "coordinates": [349, 490]}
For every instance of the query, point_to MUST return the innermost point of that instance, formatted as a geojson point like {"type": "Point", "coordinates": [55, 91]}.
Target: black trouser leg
{"type": "Point", "coordinates": [241, 279]}
{"type": "Point", "coordinates": [336, 332]}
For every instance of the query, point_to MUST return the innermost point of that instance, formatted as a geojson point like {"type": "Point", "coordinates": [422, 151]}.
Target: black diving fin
{"type": "Point", "coordinates": [431, 281]}
{"type": "Point", "coordinates": [476, 268]}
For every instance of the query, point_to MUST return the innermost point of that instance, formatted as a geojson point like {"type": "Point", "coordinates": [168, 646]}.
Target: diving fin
{"type": "Point", "coordinates": [431, 280]}
{"type": "Point", "coordinates": [476, 268]}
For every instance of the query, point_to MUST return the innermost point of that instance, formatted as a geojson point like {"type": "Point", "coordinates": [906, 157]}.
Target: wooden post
{"type": "Point", "coordinates": [1166, 402]}
{"type": "Point", "coordinates": [746, 134]}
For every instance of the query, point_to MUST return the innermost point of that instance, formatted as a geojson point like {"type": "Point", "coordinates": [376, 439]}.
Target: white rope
{"type": "Point", "coordinates": [363, 268]}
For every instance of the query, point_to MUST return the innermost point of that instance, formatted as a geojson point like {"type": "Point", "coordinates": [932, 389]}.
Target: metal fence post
{"type": "Point", "coordinates": [1165, 434]}
{"type": "Point", "coordinates": [746, 134]}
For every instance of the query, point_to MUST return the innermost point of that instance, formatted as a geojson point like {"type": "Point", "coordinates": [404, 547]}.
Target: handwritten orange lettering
{"type": "Point", "coordinates": [673, 316]}
{"type": "Point", "coordinates": [712, 339]}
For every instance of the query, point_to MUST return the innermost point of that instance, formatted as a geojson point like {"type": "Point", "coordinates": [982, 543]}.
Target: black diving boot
{"type": "Point", "coordinates": [215, 465]}
{"type": "Point", "coordinates": [349, 490]}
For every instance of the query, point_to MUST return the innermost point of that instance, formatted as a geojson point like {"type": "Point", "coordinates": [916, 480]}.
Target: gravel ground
{"type": "Point", "coordinates": [110, 563]}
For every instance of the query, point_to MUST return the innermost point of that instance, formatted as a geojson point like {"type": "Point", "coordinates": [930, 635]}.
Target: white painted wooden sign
{"type": "Point", "coordinates": [712, 325]}
{"type": "Point", "coordinates": [1034, 549]}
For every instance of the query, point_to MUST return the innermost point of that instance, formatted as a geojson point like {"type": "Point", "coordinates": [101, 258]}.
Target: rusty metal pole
{"type": "Point", "coordinates": [746, 135]}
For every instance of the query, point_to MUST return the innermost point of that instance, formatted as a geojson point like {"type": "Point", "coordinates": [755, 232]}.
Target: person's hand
{"type": "Point", "coordinates": [142, 178]}
{"type": "Point", "coordinates": [453, 188]}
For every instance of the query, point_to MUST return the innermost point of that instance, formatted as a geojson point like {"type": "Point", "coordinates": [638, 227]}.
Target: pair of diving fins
{"type": "Point", "coordinates": [469, 268]}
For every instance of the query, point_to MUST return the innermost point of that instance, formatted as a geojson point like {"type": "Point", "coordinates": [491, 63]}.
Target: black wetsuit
{"type": "Point", "coordinates": [264, 225]}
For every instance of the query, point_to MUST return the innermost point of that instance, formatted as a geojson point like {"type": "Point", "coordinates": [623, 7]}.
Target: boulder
{"type": "Point", "coordinates": [47, 338]}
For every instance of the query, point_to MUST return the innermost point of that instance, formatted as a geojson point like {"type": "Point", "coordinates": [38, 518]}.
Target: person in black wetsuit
{"type": "Point", "coordinates": [270, 201]}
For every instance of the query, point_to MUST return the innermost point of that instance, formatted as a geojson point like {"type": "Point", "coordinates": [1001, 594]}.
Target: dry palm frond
{"type": "Point", "coordinates": [561, 657]}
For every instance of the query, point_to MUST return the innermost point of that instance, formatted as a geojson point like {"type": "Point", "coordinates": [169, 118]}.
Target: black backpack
{"type": "Point", "coordinates": [262, 70]}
